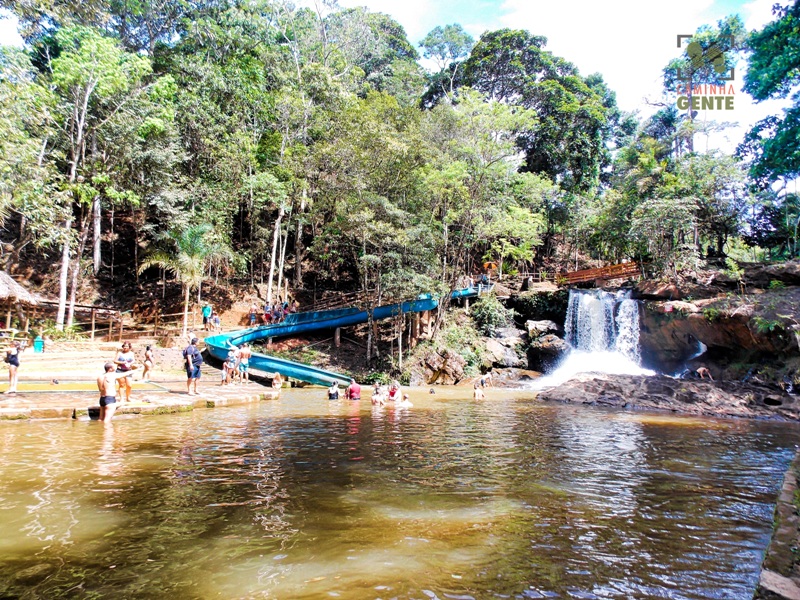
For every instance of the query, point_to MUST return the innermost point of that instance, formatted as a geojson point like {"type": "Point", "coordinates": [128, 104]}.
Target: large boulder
{"type": "Point", "coordinates": [513, 378]}
{"type": "Point", "coordinates": [536, 329]}
{"type": "Point", "coordinates": [507, 348]}
{"type": "Point", "coordinates": [445, 367]}
{"type": "Point", "coordinates": [702, 397]}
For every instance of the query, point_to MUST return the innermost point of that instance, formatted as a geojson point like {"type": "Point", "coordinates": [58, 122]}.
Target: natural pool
{"type": "Point", "coordinates": [306, 498]}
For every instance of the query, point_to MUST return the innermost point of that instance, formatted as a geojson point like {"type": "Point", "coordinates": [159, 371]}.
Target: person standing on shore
{"type": "Point", "coordinates": [207, 311]}
{"type": "Point", "coordinates": [12, 360]}
{"type": "Point", "coordinates": [124, 361]}
{"type": "Point", "coordinates": [149, 363]}
{"type": "Point", "coordinates": [106, 384]}
{"type": "Point", "coordinates": [193, 359]}
{"type": "Point", "coordinates": [244, 362]}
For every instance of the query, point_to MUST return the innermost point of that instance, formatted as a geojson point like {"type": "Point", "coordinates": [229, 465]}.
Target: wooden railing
{"type": "Point", "coordinates": [603, 273]}
{"type": "Point", "coordinates": [95, 317]}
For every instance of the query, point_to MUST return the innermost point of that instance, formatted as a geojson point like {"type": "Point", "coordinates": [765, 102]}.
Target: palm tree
{"type": "Point", "coordinates": [190, 251]}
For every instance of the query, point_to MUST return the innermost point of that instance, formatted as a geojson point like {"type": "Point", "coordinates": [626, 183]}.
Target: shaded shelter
{"type": "Point", "coordinates": [13, 296]}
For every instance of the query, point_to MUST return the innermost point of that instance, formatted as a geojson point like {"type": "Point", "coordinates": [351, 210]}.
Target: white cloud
{"type": "Point", "coordinates": [629, 41]}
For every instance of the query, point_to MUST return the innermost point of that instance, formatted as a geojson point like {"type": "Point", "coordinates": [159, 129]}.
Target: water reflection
{"type": "Point", "coordinates": [306, 498]}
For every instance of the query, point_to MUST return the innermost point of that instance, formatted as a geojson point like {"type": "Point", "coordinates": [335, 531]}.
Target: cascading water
{"type": "Point", "coordinates": [603, 330]}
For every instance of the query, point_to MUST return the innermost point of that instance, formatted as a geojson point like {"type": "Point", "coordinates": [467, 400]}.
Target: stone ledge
{"type": "Point", "coordinates": [779, 576]}
{"type": "Point", "coordinates": [51, 413]}
{"type": "Point", "coordinates": [14, 414]}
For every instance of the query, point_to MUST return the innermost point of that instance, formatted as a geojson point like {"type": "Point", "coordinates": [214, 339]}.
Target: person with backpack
{"type": "Point", "coordinates": [193, 360]}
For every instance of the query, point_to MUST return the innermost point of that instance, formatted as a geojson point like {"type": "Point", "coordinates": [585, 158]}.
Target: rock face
{"type": "Point", "coordinates": [725, 398]}
{"type": "Point", "coordinates": [752, 333]}
{"type": "Point", "coordinates": [546, 348]}
{"type": "Point", "coordinates": [512, 378]}
{"type": "Point", "coordinates": [506, 348]}
{"type": "Point", "coordinates": [446, 368]}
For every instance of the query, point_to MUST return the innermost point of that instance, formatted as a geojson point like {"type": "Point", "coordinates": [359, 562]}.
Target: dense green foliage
{"type": "Point", "coordinates": [490, 315]}
{"type": "Point", "coordinates": [309, 148]}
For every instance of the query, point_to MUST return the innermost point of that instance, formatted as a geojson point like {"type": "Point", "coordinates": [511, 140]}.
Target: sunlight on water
{"type": "Point", "coordinates": [453, 498]}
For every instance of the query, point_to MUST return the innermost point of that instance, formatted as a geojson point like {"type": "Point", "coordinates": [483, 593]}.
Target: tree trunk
{"type": "Point", "coordinates": [400, 343]}
{"type": "Point", "coordinates": [76, 269]}
{"type": "Point", "coordinates": [280, 267]}
{"type": "Point", "coordinates": [275, 235]}
{"type": "Point", "coordinates": [96, 256]}
{"type": "Point", "coordinates": [298, 241]}
{"type": "Point", "coordinates": [186, 294]}
{"type": "Point", "coordinates": [369, 335]}
{"type": "Point", "coordinates": [63, 276]}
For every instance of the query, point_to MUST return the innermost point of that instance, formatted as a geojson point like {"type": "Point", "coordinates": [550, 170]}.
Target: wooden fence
{"type": "Point", "coordinates": [91, 319]}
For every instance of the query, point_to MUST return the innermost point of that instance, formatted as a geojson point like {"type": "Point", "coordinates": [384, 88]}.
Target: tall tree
{"type": "Point", "coordinates": [447, 46]}
{"type": "Point", "coordinates": [569, 139]}
{"type": "Point", "coordinates": [773, 71]}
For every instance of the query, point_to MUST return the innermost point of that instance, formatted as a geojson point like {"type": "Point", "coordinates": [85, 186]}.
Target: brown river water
{"type": "Point", "coordinates": [452, 499]}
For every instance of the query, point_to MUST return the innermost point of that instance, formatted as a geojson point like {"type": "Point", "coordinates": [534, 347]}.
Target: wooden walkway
{"type": "Point", "coordinates": [619, 271]}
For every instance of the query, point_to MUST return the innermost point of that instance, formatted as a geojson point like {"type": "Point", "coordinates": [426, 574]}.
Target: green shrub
{"type": "Point", "coordinates": [766, 325]}
{"type": "Point", "coordinates": [379, 377]}
{"type": "Point", "coordinates": [490, 314]}
{"type": "Point", "coordinates": [712, 314]}
{"type": "Point", "coordinates": [776, 285]}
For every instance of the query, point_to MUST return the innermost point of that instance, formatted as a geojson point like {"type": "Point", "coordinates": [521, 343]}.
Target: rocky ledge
{"type": "Point", "coordinates": [712, 398]}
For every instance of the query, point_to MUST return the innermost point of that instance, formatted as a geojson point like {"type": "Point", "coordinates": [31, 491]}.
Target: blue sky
{"type": "Point", "coordinates": [628, 41]}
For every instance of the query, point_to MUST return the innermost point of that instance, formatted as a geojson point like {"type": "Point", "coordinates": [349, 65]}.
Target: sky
{"type": "Point", "coordinates": [627, 41]}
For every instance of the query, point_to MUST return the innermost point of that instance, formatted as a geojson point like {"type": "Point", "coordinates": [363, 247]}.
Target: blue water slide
{"type": "Point", "coordinates": [297, 323]}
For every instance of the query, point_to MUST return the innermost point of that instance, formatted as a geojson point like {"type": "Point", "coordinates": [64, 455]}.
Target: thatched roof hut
{"type": "Point", "coordinates": [11, 291]}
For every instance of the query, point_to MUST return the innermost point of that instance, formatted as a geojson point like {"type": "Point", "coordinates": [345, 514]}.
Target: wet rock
{"type": "Point", "coordinates": [537, 329]}
{"type": "Point", "coordinates": [718, 398]}
{"type": "Point", "coordinates": [732, 328]}
{"type": "Point", "coordinates": [503, 353]}
{"type": "Point", "coordinates": [446, 368]}
{"type": "Point", "coordinates": [512, 377]}
{"type": "Point", "coordinates": [546, 351]}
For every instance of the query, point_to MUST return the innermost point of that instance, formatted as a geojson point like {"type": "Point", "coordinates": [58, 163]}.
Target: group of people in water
{"type": "Point", "coordinates": [381, 394]}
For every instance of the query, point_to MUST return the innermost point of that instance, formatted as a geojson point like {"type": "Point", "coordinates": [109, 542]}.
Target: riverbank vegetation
{"type": "Point", "coordinates": [307, 149]}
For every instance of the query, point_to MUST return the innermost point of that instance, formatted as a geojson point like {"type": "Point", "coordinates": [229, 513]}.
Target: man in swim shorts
{"type": "Point", "coordinates": [244, 362]}
{"type": "Point", "coordinates": [106, 383]}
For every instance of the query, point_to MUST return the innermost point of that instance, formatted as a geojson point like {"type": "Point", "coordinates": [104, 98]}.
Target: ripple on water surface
{"type": "Point", "coordinates": [306, 498]}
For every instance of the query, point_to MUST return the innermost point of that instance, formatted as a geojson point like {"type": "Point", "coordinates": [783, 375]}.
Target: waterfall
{"type": "Point", "coordinates": [603, 330]}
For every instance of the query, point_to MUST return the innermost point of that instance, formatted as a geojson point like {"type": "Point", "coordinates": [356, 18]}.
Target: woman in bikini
{"type": "Point", "coordinates": [124, 361]}
{"type": "Point", "coordinates": [12, 359]}
{"type": "Point", "coordinates": [148, 363]}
